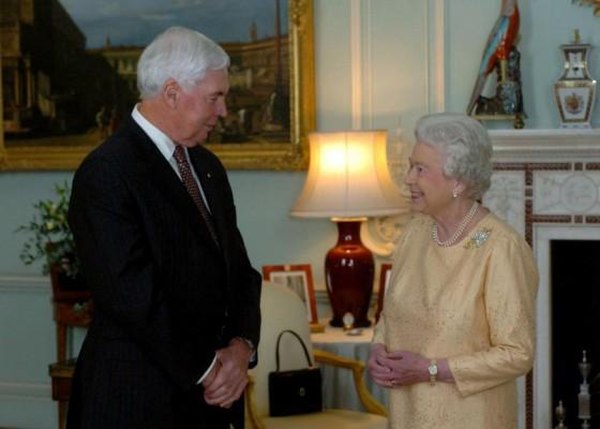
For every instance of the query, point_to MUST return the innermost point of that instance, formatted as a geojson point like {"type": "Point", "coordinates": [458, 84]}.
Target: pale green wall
{"type": "Point", "coordinates": [396, 83]}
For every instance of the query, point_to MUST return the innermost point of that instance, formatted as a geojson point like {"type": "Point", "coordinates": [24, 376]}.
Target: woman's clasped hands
{"type": "Point", "coordinates": [397, 368]}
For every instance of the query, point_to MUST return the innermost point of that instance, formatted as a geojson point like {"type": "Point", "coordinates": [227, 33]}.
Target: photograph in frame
{"type": "Point", "coordinates": [298, 278]}
{"type": "Point", "coordinates": [68, 72]}
{"type": "Point", "coordinates": [384, 281]}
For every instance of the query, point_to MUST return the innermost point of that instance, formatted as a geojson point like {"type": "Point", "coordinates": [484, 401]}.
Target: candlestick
{"type": "Point", "coordinates": [560, 413]}
{"type": "Point", "coordinates": [584, 392]}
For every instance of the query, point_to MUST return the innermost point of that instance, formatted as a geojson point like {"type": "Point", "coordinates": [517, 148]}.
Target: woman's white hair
{"type": "Point", "coordinates": [465, 145]}
{"type": "Point", "coordinates": [181, 54]}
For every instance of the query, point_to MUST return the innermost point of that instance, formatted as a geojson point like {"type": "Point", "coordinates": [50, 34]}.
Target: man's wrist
{"type": "Point", "coordinates": [250, 346]}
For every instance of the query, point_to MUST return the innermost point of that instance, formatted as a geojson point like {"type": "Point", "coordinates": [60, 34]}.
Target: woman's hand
{"type": "Point", "coordinates": [406, 367]}
{"type": "Point", "coordinates": [380, 373]}
{"type": "Point", "coordinates": [399, 368]}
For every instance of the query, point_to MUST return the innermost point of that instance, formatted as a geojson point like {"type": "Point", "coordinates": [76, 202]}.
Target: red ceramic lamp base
{"type": "Point", "coordinates": [349, 274]}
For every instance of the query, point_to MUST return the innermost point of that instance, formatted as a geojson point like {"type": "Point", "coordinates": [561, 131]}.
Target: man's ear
{"type": "Point", "coordinates": [171, 90]}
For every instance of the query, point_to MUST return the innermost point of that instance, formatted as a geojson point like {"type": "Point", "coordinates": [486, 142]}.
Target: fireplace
{"type": "Point", "coordinates": [574, 307]}
{"type": "Point", "coordinates": [547, 389]}
{"type": "Point", "coordinates": [546, 184]}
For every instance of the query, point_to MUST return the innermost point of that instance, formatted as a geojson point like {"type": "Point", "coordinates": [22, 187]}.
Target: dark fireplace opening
{"type": "Point", "coordinates": [575, 310]}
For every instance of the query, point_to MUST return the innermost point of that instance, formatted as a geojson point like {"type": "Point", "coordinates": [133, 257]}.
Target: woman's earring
{"type": "Point", "coordinates": [454, 193]}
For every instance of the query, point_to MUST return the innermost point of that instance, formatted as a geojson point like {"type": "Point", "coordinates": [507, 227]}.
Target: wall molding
{"type": "Point", "coordinates": [544, 145]}
{"type": "Point", "coordinates": [436, 58]}
{"type": "Point", "coordinates": [359, 39]}
{"type": "Point", "coordinates": [24, 284]}
{"type": "Point", "coordinates": [361, 61]}
{"type": "Point", "coordinates": [25, 390]}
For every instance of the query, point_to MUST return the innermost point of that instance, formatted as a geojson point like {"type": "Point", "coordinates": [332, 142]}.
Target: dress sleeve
{"type": "Point", "coordinates": [510, 287]}
{"type": "Point", "coordinates": [379, 332]}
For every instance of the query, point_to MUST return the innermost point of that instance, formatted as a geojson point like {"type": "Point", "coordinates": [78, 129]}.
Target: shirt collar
{"type": "Point", "coordinates": [165, 145]}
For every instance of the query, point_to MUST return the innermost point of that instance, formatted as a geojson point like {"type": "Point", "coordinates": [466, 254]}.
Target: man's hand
{"type": "Point", "coordinates": [227, 381]}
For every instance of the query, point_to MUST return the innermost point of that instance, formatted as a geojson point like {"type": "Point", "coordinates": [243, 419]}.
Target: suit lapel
{"type": "Point", "coordinates": [158, 171]}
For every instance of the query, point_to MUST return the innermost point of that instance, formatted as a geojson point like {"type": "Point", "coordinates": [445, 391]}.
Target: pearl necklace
{"type": "Point", "coordinates": [459, 231]}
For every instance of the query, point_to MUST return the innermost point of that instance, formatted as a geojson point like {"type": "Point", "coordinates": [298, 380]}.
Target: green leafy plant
{"type": "Point", "coordinates": [51, 239]}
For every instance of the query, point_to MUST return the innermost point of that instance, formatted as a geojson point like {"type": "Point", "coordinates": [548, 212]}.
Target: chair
{"type": "Point", "coordinates": [283, 309]}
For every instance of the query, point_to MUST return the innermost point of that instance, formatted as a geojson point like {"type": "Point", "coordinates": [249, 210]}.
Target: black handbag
{"type": "Point", "coordinates": [296, 391]}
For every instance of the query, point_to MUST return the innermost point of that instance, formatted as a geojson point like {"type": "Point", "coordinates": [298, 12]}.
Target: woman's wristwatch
{"type": "Point", "coordinates": [432, 369]}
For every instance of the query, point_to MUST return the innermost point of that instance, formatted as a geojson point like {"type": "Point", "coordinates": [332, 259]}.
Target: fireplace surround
{"type": "Point", "coordinates": [546, 184]}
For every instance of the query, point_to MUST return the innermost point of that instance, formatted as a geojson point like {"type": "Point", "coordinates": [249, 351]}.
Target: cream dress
{"type": "Point", "coordinates": [473, 303]}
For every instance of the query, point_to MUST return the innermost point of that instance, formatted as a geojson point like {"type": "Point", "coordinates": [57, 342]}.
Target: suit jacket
{"type": "Point", "coordinates": [165, 295]}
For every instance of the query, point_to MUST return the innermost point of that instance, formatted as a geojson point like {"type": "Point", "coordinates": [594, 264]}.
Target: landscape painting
{"type": "Point", "coordinates": [69, 76]}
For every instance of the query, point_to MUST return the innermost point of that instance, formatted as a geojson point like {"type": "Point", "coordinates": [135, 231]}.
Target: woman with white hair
{"type": "Point", "coordinates": [457, 327]}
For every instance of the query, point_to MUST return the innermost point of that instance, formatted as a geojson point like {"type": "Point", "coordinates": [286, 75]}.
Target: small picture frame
{"type": "Point", "coordinates": [298, 278]}
{"type": "Point", "coordinates": [384, 281]}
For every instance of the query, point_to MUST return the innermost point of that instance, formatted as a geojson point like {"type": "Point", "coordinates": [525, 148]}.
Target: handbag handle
{"type": "Point", "coordinates": [301, 343]}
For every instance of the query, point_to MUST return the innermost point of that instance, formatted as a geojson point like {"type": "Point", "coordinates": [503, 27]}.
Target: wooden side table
{"type": "Point", "coordinates": [62, 374]}
{"type": "Point", "coordinates": [71, 308]}
{"type": "Point", "coordinates": [69, 314]}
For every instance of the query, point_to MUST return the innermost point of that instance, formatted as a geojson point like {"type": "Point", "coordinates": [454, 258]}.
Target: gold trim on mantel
{"type": "Point", "coordinates": [58, 154]}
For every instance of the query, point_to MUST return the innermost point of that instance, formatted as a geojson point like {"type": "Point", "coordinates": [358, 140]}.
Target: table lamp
{"type": "Point", "coordinates": [348, 180]}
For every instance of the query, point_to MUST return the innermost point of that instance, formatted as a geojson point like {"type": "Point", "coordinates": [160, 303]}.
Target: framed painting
{"type": "Point", "coordinates": [384, 281]}
{"type": "Point", "coordinates": [68, 73]}
{"type": "Point", "coordinates": [299, 279]}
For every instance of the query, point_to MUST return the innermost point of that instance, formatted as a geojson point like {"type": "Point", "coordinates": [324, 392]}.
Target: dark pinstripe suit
{"type": "Point", "coordinates": [165, 296]}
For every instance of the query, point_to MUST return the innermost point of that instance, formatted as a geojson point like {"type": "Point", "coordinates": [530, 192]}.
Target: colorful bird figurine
{"type": "Point", "coordinates": [498, 46]}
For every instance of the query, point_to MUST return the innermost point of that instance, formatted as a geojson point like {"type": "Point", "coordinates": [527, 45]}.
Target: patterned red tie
{"type": "Point", "coordinates": [192, 187]}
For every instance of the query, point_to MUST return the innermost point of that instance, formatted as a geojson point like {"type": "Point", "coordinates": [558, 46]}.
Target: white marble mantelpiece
{"type": "Point", "coordinates": [545, 145]}
{"type": "Point", "coordinates": [543, 176]}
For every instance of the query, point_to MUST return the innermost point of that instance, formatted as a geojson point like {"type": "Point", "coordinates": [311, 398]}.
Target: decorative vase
{"type": "Point", "coordinates": [349, 274]}
{"type": "Point", "coordinates": [575, 91]}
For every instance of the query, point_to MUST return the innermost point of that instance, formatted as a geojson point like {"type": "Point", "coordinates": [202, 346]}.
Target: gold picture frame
{"type": "Point", "coordinates": [299, 279]}
{"type": "Point", "coordinates": [66, 152]}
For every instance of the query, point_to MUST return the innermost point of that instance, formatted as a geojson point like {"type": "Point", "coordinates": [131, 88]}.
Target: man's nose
{"type": "Point", "coordinates": [222, 109]}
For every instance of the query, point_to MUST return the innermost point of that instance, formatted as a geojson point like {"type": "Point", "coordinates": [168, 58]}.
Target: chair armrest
{"type": "Point", "coordinates": [358, 368]}
{"type": "Point", "coordinates": [250, 412]}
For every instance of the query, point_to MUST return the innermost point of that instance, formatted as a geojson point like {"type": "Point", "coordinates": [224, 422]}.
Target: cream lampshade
{"type": "Point", "coordinates": [348, 180]}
